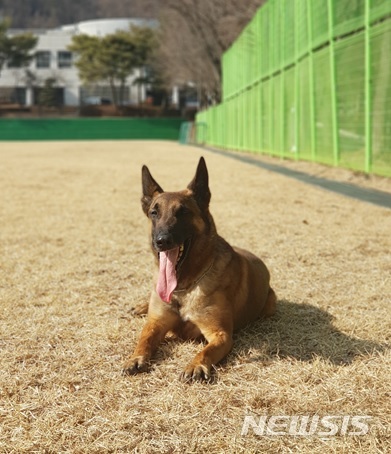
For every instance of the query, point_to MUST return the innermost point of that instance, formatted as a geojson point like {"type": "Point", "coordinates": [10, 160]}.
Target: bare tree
{"type": "Point", "coordinates": [194, 35]}
{"type": "Point", "coordinates": [129, 8]}
{"type": "Point", "coordinates": [51, 13]}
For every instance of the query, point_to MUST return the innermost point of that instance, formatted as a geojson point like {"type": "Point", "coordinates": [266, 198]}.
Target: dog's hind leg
{"type": "Point", "coordinates": [270, 306]}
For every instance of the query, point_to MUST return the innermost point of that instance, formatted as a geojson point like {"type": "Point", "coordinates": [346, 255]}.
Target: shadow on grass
{"type": "Point", "coordinates": [302, 332]}
{"type": "Point", "coordinates": [297, 331]}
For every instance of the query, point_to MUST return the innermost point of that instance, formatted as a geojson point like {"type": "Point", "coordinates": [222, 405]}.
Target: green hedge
{"type": "Point", "coordinates": [90, 129]}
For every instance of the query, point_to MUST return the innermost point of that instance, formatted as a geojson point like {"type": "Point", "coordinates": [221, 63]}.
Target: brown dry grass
{"type": "Point", "coordinates": [74, 259]}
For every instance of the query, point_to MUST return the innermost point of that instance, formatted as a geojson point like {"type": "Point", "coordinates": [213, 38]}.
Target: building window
{"type": "Point", "coordinates": [42, 59]}
{"type": "Point", "coordinates": [13, 64]}
{"type": "Point", "coordinates": [64, 59]}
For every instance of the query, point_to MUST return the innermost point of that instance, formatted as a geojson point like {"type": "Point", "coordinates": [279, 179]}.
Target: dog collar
{"type": "Point", "coordinates": [198, 280]}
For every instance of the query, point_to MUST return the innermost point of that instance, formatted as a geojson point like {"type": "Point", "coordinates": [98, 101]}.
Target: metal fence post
{"type": "Point", "coordinates": [368, 86]}
{"type": "Point", "coordinates": [312, 83]}
{"type": "Point", "coordinates": [259, 97]}
{"type": "Point", "coordinates": [271, 81]}
{"type": "Point", "coordinates": [334, 107]}
{"type": "Point", "coordinates": [282, 77]}
{"type": "Point", "coordinates": [297, 75]}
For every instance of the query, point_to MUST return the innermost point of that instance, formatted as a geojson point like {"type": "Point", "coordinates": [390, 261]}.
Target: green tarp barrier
{"type": "Point", "coordinates": [90, 129]}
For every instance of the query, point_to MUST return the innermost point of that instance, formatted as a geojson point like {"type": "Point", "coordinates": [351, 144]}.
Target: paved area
{"type": "Point", "coordinates": [374, 196]}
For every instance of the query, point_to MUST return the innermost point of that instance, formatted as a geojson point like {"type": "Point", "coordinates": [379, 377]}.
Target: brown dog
{"type": "Point", "coordinates": [204, 287]}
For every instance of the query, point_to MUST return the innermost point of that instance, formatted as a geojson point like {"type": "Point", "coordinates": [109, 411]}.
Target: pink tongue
{"type": "Point", "coordinates": [167, 281]}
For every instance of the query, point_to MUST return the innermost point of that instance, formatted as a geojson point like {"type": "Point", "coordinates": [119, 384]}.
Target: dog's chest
{"type": "Point", "coordinates": [189, 304]}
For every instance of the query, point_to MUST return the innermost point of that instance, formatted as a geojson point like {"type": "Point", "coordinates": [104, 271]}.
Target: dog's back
{"type": "Point", "coordinates": [259, 299]}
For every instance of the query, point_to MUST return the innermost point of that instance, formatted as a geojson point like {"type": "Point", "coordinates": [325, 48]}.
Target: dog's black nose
{"type": "Point", "coordinates": [164, 242]}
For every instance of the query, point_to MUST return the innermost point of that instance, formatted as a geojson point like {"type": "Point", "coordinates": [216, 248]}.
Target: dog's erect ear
{"type": "Point", "coordinates": [199, 185]}
{"type": "Point", "coordinates": [150, 189]}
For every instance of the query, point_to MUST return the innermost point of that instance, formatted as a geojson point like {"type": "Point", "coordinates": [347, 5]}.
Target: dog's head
{"type": "Point", "coordinates": [179, 222]}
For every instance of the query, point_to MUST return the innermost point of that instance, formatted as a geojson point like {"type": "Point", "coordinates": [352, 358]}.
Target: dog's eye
{"type": "Point", "coordinates": [182, 211]}
{"type": "Point", "coordinates": [153, 213]}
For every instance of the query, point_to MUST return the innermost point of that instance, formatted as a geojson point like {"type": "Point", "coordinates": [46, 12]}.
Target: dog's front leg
{"type": "Point", "coordinates": [152, 335]}
{"type": "Point", "coordinates": [219, 345]}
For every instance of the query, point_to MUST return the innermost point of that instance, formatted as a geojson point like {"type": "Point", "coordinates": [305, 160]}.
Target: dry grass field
{"type": "Point", "coordinates": [74, 259]}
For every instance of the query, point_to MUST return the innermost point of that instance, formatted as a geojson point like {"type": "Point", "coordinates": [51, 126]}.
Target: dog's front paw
{"type": "Point", "coordinates": [139, 309]}
{"type": "Point", "coordinates": [196, 372]}
{"type": "Point", "coordinates": [135, 365]}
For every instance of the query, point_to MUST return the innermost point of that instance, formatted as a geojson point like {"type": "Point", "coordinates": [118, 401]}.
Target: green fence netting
{"type": "Point", "coordinates": [309, 79]}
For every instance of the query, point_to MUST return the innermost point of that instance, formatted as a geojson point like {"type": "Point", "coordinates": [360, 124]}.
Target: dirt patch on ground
{"type": "Point", "coordinates": [74, 259]}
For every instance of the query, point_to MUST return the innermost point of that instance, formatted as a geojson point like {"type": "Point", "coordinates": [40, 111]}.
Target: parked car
{"type": "Point", "coordinates": [97, 101]}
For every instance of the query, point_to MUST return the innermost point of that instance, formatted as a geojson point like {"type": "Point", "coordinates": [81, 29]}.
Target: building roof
{"type": "Point", "coordinates": [98, 27]}
{"type": "Point", "coordinates": [102, 27]}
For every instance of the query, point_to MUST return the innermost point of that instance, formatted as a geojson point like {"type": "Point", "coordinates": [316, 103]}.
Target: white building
{"type": "Point", "coordinates": [53, 60]}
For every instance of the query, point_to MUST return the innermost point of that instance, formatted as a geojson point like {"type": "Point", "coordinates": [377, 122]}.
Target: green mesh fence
{"type": "Point", "coordinates": [309, 79]}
